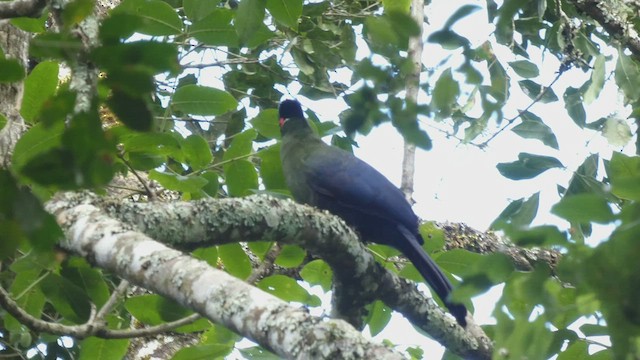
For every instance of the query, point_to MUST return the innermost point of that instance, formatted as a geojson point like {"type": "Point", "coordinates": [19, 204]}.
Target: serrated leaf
{"type": "Point", "coordinates": [215, 29]}
{"type": "Point", "coordinates": [235, 260]}
{"type": "Point", "coordinates": [528, 166]}
{"type": "Point", "coordinates": [286, 12]}
{"type": "Point", "coordinates": [202, 100]}
{"type": "Point", "coordinates": [287, 289]}
{"type": "Point", "coordinates": [38, 86]}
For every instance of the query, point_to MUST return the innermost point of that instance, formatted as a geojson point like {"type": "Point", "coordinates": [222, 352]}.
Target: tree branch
{"type": "Point", "coordinates": [286, 330]}
{"type": "Point", "coordinates": [611, 16]}
{"type": "Point", "coordinates": [22, 8]}
{"type": "Point", "coordinates": [359, 279]}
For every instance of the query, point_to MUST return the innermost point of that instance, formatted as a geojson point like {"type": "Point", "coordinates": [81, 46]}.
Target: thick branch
{"type": "Point", "coordinates": [359, 278]}
{"type": "Point", "coordinates": [286, 330]}
{"type": "Point", "coordinates": [21, 8]}
{"type": "Point", "coordinates": [610, 16]}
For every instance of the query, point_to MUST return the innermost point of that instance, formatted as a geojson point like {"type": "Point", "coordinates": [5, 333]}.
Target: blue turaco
{"type": "Point", "coordinates": [333, 179]}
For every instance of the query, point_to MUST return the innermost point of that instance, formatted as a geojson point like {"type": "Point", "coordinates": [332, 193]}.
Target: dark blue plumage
{"type": "Point", "coordinates": [333, 179]}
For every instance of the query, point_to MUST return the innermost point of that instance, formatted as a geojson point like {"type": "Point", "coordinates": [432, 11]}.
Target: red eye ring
{"type": "Point", "coordinates": [282, 121]}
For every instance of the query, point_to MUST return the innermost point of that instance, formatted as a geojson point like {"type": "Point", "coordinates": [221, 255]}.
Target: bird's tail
{"type": "Point", "coordinates": [432, 274]}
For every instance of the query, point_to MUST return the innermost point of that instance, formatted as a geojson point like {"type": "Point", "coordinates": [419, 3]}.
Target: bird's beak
{"type": "Point", "coordinates": [282, 121]}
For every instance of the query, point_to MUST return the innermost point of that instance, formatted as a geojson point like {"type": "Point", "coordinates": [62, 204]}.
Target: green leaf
{"type": "Point", "coordinates": [241, 178]}
{"type": "Point", "coordinates": [317, 272]}
{"type": "Point", "coordinates": [617, 132]}
{"type": "Point", "coordinates": [528, 166]}
{"type": "Point", "coordinates": [457, 261]}
{"type": "Point", "coordinates": [88, 279]}
{"type": "Point", "coordinates": [287, 289]}
{"type": "Point", "coordinates": [197, 152]}
{"type": "Point", "coordinates": [532, 127]}
{"type": "Point", "coordinates": [582, 208]}
{"type": "Point", "coordinates": [445, 93]}
{"type": "Point", "coordinates": [578, 350]}
{"type": "Point", "coordinates": [55, 45]}
{"type": "Point", "coordinates": [198, 9]}
{"type": "Point", "coordinates": [597, 80]}
{"type": "Point", "coordinates": [460, 13]}
{"type": "Point", "coordinates": [31, 299]}
{"type": "Point", "coordinates": [32, 25]}
{"type": "Point", "coordinates": [627, 76]}
{"type": "Point", "coordinates": [94, 348]}
{"type": "Point", "coordinates": [202, 100]}
{"type": "Point", "coordinates": [249, 18]}
{"type": "Point", "coordinates": [434, 237]}
{"type": "Point", "coordinates": [132, 111]}
{"type": "Point", "coordinates": [291, 256]}
{"type": "Point", "coordinates": [545, 235]}
{"type": "Point", "coordinates": [213, 185]}
{"type": "Point", "coordinates": [286, 12]}
{"type": "Point", "coordinates": [76, 11]}
{"type": "Point", "coordinates": [535, 91]}
{"type": "Point", "coordinates": [208, 351]}
{"type": "Point", "coordinates": [266, 123]}
{"type": "Point", "coordinates": [574, 104]}
{"type": "Point", "coordinates": [235, 260]}
{"type": "Point", "coordinates": [624, 173]}
{"type": "Point", "coordinates": [525, 68]}
{"type": "Point", "coordinates": [67, 298]}
{"type": "Point", "coordinates": [158, 17]}
{"type": "Point", "coordinates": [12, 71]}
{"type": "Point", "coordinates": [215, 29]}
{"type": "Point", "coordinates": [241, 145]}
{"type": "Point", "coordinates": [519, 213]}
{"type": "Point", "coordinates": [378, 318]}
{"type": "Point", "coordinates": [38, 140]}
{"type": "Point", "coordinates": [271, 168]}
{"type": "Point", "coordinates": [154, 309]}
{"type": "Point", "coordinates": [38, 87]}
{"type": "Point", "coordinates": [187, 184]}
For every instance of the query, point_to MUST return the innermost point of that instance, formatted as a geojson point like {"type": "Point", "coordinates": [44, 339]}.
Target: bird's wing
{"type": "Point", "coordinates": [355, 184]}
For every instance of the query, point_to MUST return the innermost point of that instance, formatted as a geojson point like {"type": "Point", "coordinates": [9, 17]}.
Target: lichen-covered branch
{"type": "Point", "coordinates": [359, 278]}
{"type": "Point", "coordinates": [284, 329]}
{"type": "Point", "coordinates": [615, 17]}
{"type": "Point", "coordinates": [460, 236]}
{"type": "Point", "coordinates": [21, 8]}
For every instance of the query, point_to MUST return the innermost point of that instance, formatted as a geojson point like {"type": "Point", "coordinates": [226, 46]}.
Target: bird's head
{"type": "Point", "coordinates": [289, 109]}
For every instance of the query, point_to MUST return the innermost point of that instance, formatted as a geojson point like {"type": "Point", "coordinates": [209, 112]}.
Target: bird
{"type": "Point", "coordinates": [333, 179]}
